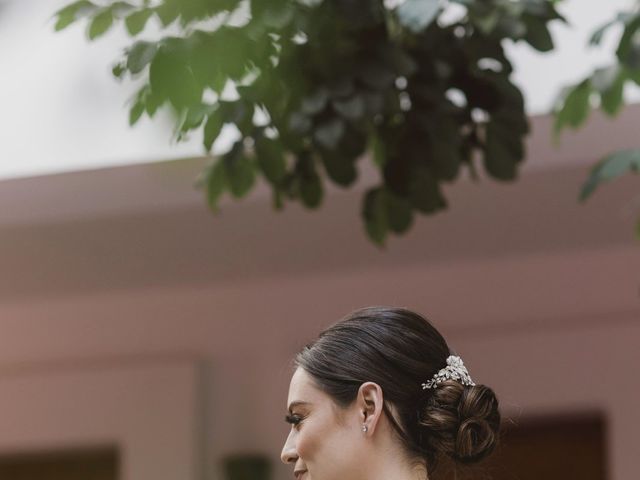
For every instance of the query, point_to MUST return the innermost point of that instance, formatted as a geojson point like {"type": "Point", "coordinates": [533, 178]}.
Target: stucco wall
{"type": "Point", "coordinates": [538, 294]}
{"type": "Point", "coordinates": [551, 333]}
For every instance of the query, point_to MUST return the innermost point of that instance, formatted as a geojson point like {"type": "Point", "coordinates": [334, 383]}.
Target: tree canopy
{"type": "Point", "coordinates": [604, 89]}
{"type": "Point", "coordinates": [311, 86]}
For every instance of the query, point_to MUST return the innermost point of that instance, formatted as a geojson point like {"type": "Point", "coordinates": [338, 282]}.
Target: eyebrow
{"type": "Point", "coordinates": [297, 403]}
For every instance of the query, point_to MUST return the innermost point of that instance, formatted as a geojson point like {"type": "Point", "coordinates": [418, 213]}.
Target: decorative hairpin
{"type": "Point", "coordinates": [455, 370]}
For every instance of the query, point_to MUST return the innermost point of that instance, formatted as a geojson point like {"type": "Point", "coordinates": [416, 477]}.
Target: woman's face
{"type": "Point", "coordinates": [326, 443]}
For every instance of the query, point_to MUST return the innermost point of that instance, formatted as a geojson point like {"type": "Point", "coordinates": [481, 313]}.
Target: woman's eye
{"type": "Point", "coordinates": [293, 419]}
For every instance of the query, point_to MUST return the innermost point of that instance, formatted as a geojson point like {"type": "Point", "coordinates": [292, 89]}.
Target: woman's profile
{"type": "Point", "coordinates": [380, 396]}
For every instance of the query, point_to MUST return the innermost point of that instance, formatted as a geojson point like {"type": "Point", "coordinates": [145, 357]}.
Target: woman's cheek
{"type": "Point", "coordinates": [305, 446]}
{"type": "Point", "coordinates": [308, 442]}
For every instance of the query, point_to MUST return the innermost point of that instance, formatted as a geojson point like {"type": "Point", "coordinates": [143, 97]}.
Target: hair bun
{"type": "Point", "coordinates": [461, 422]}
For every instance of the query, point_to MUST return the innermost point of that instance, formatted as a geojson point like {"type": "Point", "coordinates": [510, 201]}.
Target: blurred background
{"type": "Point", "coordinates": [141, 337]}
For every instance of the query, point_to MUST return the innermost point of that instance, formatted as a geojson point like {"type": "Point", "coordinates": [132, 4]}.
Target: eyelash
{"type": "Point", "coordinates": [292, 419]}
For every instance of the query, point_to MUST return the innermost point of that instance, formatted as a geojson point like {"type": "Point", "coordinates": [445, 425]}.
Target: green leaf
{"type": "Point", "coordinates": [505, 125]}
{"type": "Point", "coordinates": [501, 157]}
{"type": "Point", "coordinates": [100, 24]}
{"type": "Point", "coordinates": [537, 35]}
{"type": "Point", "coordinates": [612, 98]}
{"type": "Point", "coordinates": [299, 123]}
{"type": "Point", "coordinates": [401, 61]}
{"type": "Point", "coordinates": [136, 22]}
{"type": "Point", "coordinates": [270, 156]}
{"type": "Point", "coordinates": [374, 213]}
{"type": "Point", "coordinates": [315, 102]}
{"type": "Point", "coordinates": [167, 12]}
{"type": "Point", "coordinates": [604, 78]}
{"type": "Point", "coordinates": [399, 212]}
{"type": "Point", "coordinates": [119, 69]}
{"type": "Point", "coordinates": [374, 102]}
{"type": "Point", "coordinates": [417, 15]}
{"type": "Point", "coordinates": [240, 171]}
{"type": "Point", "coordinates": [170, 76]}
{"type": "Point", "coordinates": [377, 148]}
{"type": "Point", "coordinates": [309, 186]}
{"type": "Point", "coordinates": [240, 113]}
{"type": "Point", "coordinates": [278, 15]}
{"type": "Point", "coordinates": [543, 9]}
{"type": "Point", "coordinates": [193, 10]}
{"type": "Point", "coordinates": [69, 14]}
{"type": "Point", "coordinates": [194, 117]}
{"type": "Point", "coordinates": [136, 112]}
{"type": "Point", "coordinates": [446, 159]}
{"type": "Point", "coordinates": [291, 184]}
{"type": "Point", "coordinates": [638, 230]}
{"type": "Point", "coordinates": [627, 39]}
{"type": "Point", "coordinates": [633, 56]}
{"type": "Point", "coordinates": [376, 75]}
{"type": "Point", "coordinates": [444, 150]}
{"type": "Point", "coordinates": [152, 102]}
{"type": "Point", "coordinates": [216, 184]}
{"type": "Point", "coordinates": [384, 211]}
{"type": "Point", "coordinates": [576, 107]}
{"type": "Point", "coordinates": [212, 129]}
{"type": "Point", "coordinates": [329, 134]}
{"type": "Point", "coordinates": [610, 167]}
{"type": "Point", "coordinates": [340, 87]}
{"type": "Point", "coordinates": [424, 191]}
{"type": "Point", "coordinates": [512, 28]}
{"type": "Point", "coordinates": [311, 192]}
{"type": "Point", "coordinates": [218, 82]}
{"type": "Point", "coordinates": [351, 108]}
{"type": "Point", "coordinates": [179, 123]}
{"type": "Point", "coordinates": [487, 23]}
{"type": "Point", "coordinates": [140, 55]}
{"type": "Point", "coordinates": [340, 168]}
{"type": "Point", "coordinates": [121, 8]}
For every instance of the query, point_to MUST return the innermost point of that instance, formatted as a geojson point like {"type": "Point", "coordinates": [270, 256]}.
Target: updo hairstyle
{"type": "Point", "coordinates": [399, 350]}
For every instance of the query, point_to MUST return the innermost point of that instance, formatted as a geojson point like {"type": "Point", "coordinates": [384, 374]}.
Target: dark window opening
{"type": "Point", "coordinates": [68, 464]}
{"type": "Point", "coordinates": [549, 448]}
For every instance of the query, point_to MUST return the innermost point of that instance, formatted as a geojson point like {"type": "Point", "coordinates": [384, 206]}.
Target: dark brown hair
{"type": "Point", "coordinates": [399, 350]}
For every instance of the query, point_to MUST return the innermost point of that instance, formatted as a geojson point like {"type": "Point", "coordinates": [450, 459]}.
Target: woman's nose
{"type": "Point", "coordinates": [288, 454]}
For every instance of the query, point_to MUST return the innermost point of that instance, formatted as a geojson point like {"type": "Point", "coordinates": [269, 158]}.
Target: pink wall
{"type": "Point", "coordinates": [538, 293]}
{"type": "Point", "coordinates": [143, 408]}
{"type": "Point", "coordinates": [550, 333]}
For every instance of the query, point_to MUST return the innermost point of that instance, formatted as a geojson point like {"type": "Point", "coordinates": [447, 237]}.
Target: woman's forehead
{"type": "Point", "coordinates": [301, 389]}
{"type": "Point", "coordinates": [304, 393]}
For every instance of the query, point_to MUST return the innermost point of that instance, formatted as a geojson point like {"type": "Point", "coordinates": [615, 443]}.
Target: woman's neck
{"type": "Point", "coordinates": [398, 468]}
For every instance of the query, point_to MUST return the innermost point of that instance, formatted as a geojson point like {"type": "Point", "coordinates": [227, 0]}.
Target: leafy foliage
{"type": "Point", "coordinates": [604, 89]}
{"type": "Point", "coordinates": [611, 167]}
{"type": "Point", "coordinates": [321, 82]}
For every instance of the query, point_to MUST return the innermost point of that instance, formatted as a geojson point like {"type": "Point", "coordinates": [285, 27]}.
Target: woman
{"type": "Point", "coordinates": [379, 396]}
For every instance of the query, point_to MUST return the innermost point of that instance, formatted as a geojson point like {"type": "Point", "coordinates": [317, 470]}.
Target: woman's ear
{"type": "Point", "coordinates": [370, 402]}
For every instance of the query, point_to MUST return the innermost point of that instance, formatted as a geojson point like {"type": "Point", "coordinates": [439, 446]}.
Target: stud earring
{"type": "Point", "coordinates": [364, 428]}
